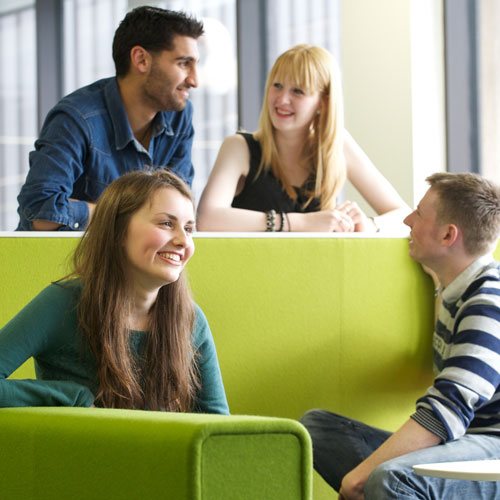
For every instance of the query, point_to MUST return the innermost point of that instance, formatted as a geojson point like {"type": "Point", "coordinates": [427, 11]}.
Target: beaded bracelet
{"type": "Point", "coordinates": [282, 221]}
{"type": "Point", "coordinates": [271, 221]}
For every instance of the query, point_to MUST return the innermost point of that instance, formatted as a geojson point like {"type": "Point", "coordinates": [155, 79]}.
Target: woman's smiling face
{"type": "Point", "coordinates": [291, 107]}
{"type": "Point", "coordinates": [159, 239]}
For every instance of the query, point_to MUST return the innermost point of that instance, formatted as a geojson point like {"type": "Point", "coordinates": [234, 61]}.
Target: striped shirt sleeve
{"type": "Point", "coordinates": [467, 355]}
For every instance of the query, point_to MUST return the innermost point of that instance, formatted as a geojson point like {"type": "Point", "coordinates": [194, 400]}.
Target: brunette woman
{"type": "Point", "coordinates": [122, 331]}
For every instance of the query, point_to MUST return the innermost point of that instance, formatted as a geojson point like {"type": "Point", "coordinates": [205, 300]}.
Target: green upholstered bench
{"type": "Point", "coordinates": [80, 453]}
{"type": "Point", "coordinates": [342, 323]}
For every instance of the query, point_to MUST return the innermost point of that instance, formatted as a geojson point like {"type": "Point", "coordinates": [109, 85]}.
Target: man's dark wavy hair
{"type": "Point", "coordinates": [153, 29]}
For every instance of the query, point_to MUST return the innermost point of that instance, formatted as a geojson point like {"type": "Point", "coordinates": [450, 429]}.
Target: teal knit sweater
{"type": "Point", "coordinates": [47, 330]}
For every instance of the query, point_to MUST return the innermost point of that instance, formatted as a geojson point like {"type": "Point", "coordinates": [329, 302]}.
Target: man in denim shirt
{"type": "Point", "coordinates": [140, 119]}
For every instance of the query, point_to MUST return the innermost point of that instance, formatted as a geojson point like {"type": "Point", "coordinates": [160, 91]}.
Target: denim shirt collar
{"type": "Point", "coordinates": [119, 119]}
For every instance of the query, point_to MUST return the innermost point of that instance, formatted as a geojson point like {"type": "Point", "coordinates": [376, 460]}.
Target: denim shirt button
{"type": "Point", "coordinates": [76, 225]}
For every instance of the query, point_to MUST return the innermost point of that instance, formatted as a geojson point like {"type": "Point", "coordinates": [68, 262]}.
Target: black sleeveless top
{"type": "Point", "coordinates": [266, 192]}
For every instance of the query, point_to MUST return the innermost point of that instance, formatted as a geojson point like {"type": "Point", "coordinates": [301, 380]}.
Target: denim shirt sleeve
{"type": "Point", "coordinates": [55, 165]}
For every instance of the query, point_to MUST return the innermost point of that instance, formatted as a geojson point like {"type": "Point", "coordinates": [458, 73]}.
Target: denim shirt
{"type": "Point", "coordinates": [85, 143]}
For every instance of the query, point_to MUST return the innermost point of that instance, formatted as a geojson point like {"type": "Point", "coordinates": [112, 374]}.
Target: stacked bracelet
{"type": "Point", "coordinates": [271, 221]}
{"type": "Point", "coordinates": [282, 221]}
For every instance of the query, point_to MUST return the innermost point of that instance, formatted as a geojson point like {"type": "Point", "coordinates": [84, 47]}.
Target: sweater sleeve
{"type": "Point", "coordinates": [38, 330]}
{"type": "Point", "coordinates": [211, 396]}
{"type": "Point", "coordinates": [470, 374]}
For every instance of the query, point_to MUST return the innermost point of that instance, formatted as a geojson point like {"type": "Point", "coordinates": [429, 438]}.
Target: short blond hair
{"type": "Point", "coordinates": [473, 204]}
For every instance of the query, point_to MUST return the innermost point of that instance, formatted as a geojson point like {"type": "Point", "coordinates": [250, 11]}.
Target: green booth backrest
{"type": "Point", "coordinates": [299, 323]}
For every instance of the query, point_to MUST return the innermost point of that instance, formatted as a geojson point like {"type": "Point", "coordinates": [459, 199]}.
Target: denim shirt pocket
{"type": "Point", "coordinates": [93, 188]}
{"type": "Point", "coordinates": [100, 171]}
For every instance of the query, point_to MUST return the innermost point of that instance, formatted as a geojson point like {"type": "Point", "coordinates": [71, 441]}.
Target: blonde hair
{"type": "Point", "coordinates": [169, 375]}
{"type": "Point", "coordinates": [312, 69]}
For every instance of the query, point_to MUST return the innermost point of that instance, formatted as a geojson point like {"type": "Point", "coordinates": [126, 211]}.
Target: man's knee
{"type": "Point", "coordinates": [379, 477]}
{"type": "Point", "coordinates": [311, 418]}
{"type": "Point", "coordinates": [314, 422]}
{"type": "Point", "coordinates": [388, 480]}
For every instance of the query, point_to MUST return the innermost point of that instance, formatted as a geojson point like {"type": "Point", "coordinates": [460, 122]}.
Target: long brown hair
{"type": "Point", "coordinates": [314, 70]}
{"type": "Point", "coordinates": [168, 378]}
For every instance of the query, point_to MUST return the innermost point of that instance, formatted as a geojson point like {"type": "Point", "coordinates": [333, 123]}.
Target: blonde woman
{"type": "Point", "coordinates": [287, 175]}
{"type": "Point", "coordinates": [123, 330]}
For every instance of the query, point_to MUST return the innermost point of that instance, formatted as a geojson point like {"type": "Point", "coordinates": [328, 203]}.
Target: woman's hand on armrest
{"type": "Point", "coordinates": [322, 221]}
{"type": "Point", "coordinates": [361, 222]}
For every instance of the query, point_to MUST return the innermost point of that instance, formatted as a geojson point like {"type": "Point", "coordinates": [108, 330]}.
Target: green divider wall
{"type": "Point", "coordinates": [338, 323]}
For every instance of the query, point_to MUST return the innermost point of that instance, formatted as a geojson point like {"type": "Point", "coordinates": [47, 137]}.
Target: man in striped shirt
{"type": "Point", "coordinates": [453, 232]}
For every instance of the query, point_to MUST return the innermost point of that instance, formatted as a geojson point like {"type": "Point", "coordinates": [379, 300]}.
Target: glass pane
{"type": "Point", "coordinates": [89, 26]}
{"type": "Point", "coordinates": [302, 22]}
{"type": "Point", "coordinates": [17, 103]}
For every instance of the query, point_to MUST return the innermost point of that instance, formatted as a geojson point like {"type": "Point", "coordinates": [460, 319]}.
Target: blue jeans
{"type": "Point", "coordinates": [340, 444]}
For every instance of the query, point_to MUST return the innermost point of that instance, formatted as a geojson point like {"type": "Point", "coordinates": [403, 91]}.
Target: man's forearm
{"type": "Point", "coordinates": [410, 437]}
{"type": "Point", "coordinates": [44, 225]}
{"type": "Point", "coordinates": [91, 210]}
{"type": "Point", "coordinates": [48, 225]}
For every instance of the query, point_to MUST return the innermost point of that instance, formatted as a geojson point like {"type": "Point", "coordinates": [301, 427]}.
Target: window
{"type": "Point", "coordinates": [311, 22]}
{"type": "Point", "coordinates": [17, 102]}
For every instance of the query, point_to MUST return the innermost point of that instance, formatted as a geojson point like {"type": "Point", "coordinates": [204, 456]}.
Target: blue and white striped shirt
{"type": "Point", "coordinates": [465, 396]}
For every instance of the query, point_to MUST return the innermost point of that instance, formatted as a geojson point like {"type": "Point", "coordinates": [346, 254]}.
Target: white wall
{"type": "Point", "coordinates": [489, 78]}
{"type": "Point", "coordinates": [392, 61]}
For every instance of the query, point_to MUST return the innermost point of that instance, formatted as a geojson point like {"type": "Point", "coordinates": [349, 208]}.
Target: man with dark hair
{"type": "Point", "coordinates": [141, 118]}
{"type": "Point", "coordinates": [453, 232]}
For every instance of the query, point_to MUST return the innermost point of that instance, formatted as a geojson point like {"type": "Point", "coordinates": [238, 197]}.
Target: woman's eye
{"type": "Point", "coordinates": [166, 223]}
{"type": "Point", "coordinates": [277, 85]}
{"type": "Point", "coordinates": [189, 229]}
{"type": "Point", "coordinates": [298, 91]}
